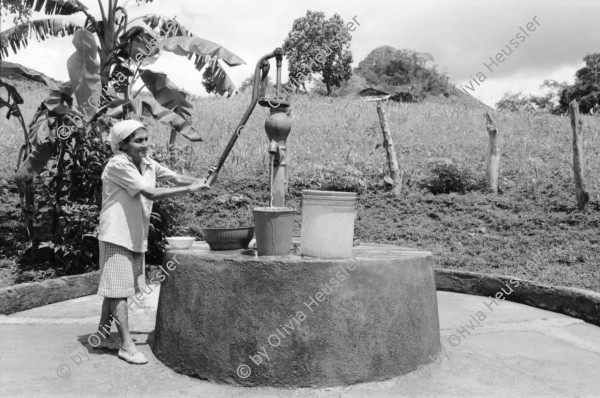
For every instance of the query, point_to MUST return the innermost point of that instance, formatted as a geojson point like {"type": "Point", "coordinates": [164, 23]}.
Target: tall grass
{"type": "Point", "coordinates": [535, 148]}
{"type": "Point", "coordinates": [330, 132]}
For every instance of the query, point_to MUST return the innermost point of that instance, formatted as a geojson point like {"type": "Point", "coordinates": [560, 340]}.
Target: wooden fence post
{"type": "Point", "coordinates": [388, 144]}
{"type": "Point", "coordinates": [493, 156]}
{"type": "Point", "coordinates": [581, 192]}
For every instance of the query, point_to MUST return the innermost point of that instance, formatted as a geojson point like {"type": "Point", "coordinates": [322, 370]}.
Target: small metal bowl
{"type": "Point", "coordinates": [228, 238]}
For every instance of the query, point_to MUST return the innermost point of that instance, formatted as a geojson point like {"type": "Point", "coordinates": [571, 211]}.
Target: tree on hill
{"type": "Point", "coordinates": [351, 86]}
{"type": "Point", "coordinates": [375, 64]}
{"type": "Point", "coordinates": [586, 89]}
{"type": "Point", "coordinates": [515, 102]}
{"type": "Point", "coordinates": [391, 69]}
{"type": "Point", "coordinates": [318, 45]}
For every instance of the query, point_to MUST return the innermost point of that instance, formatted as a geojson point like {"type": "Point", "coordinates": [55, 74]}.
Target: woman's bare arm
{"type": "Point", "coordinates": [181, 180]}
{"type": "Point", "coordinates": [163, 193]}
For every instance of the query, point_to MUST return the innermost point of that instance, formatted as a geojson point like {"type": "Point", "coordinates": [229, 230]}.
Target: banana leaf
{"type": "Point", "coordinates": [138, 44]}
{"type": "Point", "coordinates": [38, 125]}
{"type": "Point", "coordinates": [56, 7]}
{"type": "Point", "coordinates": [158, 112]}
{"type": "Point", "coordinates": [59, 98]}
{"type": "Point", "coordinates": [167, 27]}
{"type": "Point", "coordinates": [220, 82]}
{"type": "Point", "coordinates": [58, 104]}
{"type": "Point", "coordinates": [10, 69]}
{"type": "Point", "coordinates": [84, 71]}
{"type": "Point", "coordinates": [17, 36]}
{"type": "Point", "coordinates": [144, 46]}
{"type": "Point", "coordinates": [205, 52]}
{"type": "Point", "coordinates": [170, 118]}
{"type": "Point", "coordinates": [36, 161]}
{"type": "Point", "coordinates": [185, 46]}
{"type": "Point", "coordinates": [165, 92]}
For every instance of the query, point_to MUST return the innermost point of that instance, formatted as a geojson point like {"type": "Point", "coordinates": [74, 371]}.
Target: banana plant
{"type": "Point", "coordinates": [112, 59]}
{"type": "Point", "coordinates": [112, 56]}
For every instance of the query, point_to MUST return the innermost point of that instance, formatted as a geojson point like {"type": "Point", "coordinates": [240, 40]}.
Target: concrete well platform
{"type": "Point", "coordinates": [295, 321]}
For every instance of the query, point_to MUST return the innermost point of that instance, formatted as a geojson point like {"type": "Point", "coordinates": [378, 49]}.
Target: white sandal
{"type": "Point", "coordinates": [110, 344]}
{"type": "Point", "coordinates": [137, 358]}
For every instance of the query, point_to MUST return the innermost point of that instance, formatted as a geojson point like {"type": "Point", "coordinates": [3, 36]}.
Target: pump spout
{"type": "Point", "coordinates": [278, 126]}
{"type": "Point", "coordinates": [273, 147]}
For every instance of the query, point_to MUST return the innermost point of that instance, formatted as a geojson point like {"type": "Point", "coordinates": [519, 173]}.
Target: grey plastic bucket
{"type": "Point", "coordinates": [273, 227]}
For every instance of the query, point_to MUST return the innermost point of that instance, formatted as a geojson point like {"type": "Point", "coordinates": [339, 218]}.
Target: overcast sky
{"type": "Point", "coordinates": [460, 34]}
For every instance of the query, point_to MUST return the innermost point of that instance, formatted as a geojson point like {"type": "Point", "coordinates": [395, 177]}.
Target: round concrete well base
{"type": "Point", "coordinates": [294, 321]}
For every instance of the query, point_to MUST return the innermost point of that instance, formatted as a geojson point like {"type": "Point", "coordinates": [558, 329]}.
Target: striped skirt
{"type": "Point", "coordinates": [120, 269]}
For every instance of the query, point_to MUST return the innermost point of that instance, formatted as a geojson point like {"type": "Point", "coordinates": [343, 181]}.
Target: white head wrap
{"type": "Point", "coordinates": [122, 130]}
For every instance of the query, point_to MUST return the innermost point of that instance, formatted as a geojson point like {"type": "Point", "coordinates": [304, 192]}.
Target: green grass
{"type": "Point", "coordinates": [532, 221]}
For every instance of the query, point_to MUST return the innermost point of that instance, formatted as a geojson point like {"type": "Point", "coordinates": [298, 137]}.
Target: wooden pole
{"type": "Point", "coordinates": [388, 144]}
{"type": "Point", "coordinates": [171, 146]}
{"type": "Point", "coordinates": [493, 156]}
{"type": "Point", "coordinates": [581, 192]}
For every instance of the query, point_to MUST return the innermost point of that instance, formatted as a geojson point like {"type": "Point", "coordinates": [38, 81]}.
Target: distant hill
{"type": "Point", "coordinates": [458, 97]}
{"type": "Point", "coordinates": [409, 76]}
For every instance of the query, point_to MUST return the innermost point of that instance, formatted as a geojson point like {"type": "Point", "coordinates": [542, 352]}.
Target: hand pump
{"type": "Point", "coordinates": [277, 127]}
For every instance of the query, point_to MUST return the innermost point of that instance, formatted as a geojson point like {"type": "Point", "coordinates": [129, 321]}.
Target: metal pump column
{"type": "Point", "coordinates": [278, 126]}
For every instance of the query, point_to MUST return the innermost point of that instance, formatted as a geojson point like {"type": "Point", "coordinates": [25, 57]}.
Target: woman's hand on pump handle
{"type": "Point", "coordinates": [198, 186]}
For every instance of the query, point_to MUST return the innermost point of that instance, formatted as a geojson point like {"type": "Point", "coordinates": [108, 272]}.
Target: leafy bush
{"type": "Point", "coordinates": [229, 211]}
{"type": "Point", "coordinates": [334, 178]}
{"type": "Point", "coordinates": [586, 89]}
{"type": "Point", "coordinates": [163, 221]}
{"type": "Point", "coordinates": [404, 72]}
{"type": "Point", "coordinates": [516, 102]}
{"type": "Point", "coordinates": [68, 200]}
{"type": "Point", "coordinates": [446, 178]}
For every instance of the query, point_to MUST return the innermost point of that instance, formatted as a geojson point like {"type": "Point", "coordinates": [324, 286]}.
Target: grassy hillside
{"type": "Point", "coordinates": [335, 141]}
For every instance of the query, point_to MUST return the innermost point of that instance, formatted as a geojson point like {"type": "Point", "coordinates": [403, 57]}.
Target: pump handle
{"type": "Point", "coordinates": [261, 65]}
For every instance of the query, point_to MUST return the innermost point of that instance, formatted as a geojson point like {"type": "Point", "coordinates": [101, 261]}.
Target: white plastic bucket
{"type": "Point", "coordinates": [327, 224]}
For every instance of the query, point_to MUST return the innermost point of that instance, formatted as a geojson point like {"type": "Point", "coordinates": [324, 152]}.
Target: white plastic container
{"type": "Point", "coordinates": [327, 224]}
{"type": "Point", "coordinates": [180, 242]}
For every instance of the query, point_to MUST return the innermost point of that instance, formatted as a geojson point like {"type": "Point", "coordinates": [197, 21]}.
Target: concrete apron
{"type": "Point", "coordinates": [294, 321]}
{"type": "Point", "coordinates": [513, 350]}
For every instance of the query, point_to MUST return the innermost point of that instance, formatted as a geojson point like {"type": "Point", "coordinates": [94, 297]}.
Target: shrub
{"type": "Point", "coordinates": [447, 177]}
{"type": "Point", "coordinates": [333, 178]}
{"type": "Point", "coordinates": [163, 221]}
{"type": "Point", "coordinates": [68, 199]}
